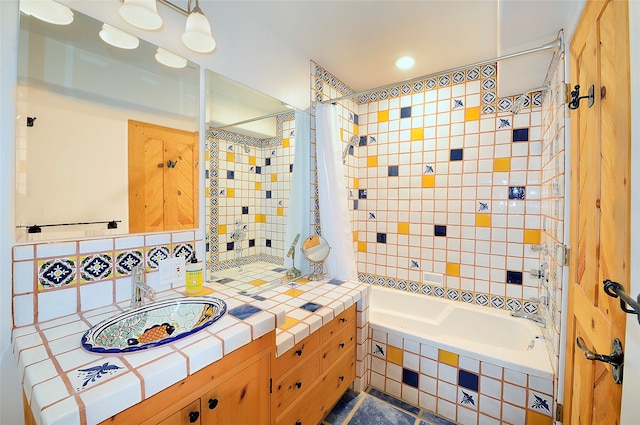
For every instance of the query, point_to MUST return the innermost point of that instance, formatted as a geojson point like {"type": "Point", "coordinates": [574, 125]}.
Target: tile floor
{"type": "Point", "coordinates": [373, 407]}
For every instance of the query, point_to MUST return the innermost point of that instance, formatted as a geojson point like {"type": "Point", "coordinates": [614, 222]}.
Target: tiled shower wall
{"type": "Point", "coordinates": [247, 190]}
{"type": "Point", "coordinates": [445, 180]}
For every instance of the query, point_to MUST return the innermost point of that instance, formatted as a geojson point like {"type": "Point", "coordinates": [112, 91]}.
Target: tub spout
{"type": "Point", "coordinates": [534, 317]}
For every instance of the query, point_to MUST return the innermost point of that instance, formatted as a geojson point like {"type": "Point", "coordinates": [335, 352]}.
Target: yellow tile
{"type": "Point", "coordinates": [383, 116]}
{"type": "Point", "coordinates": [355, 129]}
{"type": "Point", "coordinates": [286, 142]}
{"type": "Point", "coordinates": [258, 186]}
{"type": "Point", "coordinates": [429, 181]}
{"type": "Point", "coordinates": [403, 228]}
{"type": "Point", "coordinates": [453, 269]}
{"type": "Point", "coordinates": [535, 418]}
{"type": "Point", "coordinates": [483, 220]}
{"type": "Point", "coordinates": [355, 182]}
{"type": "Point", "coordinates": [362, 247]}
{"type": "Point", "coordinates": [341, 138]}
{"type": "Point", "coordinates": [222, 229]}
{"type": "Point", "coordinates": [394, 355]}
{"type": "Point", "coordinates": [261, 218]}
{"type": "Point", "coordinates": [501, 164]}
{"type": "Point", "coordinates": [202, 292]}
{"type": "Point", "coordinates": [302, 280]}
{"type": "Point", "coordinates": [280, 211]}
{"type": "Point", "coordinates": [207, 155]}
{"type": "Point", "coordinates": [252, 160]}
{"type": "Point", "coordinates": [417, 133]}
{"type": "Point", "coordinates": [355, 236]}
{"type": "Point", "coordinates": [372, 161]}
{"type": "Point", "coordinates": [472, 114]}
{"type": "Point", "coordinates": [532, 236]}
{"type": "Point", "coordinates": [231, 157]}
{"type": "Point", "coordinates": [257, 282]}
{"type": "Point", "coordinates": [294, 292]}
{"type": "Point", "coordinates": [274, 177]}
{"type": "Point", "coordinates": [288, 323]}
{"type": "Point", "coordinates": [448, 357]}
{"type": "Point", "coordinates": [231, 192]}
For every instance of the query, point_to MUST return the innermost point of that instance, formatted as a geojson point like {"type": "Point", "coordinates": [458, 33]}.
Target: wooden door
{"type": "Point", "coordinates": [600, 209]}
{"type": "Point", "coordinates": [163, 178]}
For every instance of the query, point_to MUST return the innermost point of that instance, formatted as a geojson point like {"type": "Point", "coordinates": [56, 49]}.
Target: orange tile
{"type": "Point", "coordinates": [274, 177]}
{"type": "Point", "coordinates": [280, 211]}
{"type": "Point", "coordinates": [257, 282]}
{"type": "Point", "coordinates": [362, 247]}
{"type": "Point", "coordinates": [355, 236]}
{"type": "Point", "coordinates": [302, 280]}
{"type": "Point", "coordinates": [394, 355]}
{"type": "Point", "coordinates": [294, 292]}
{"type": "Point", "coordinates": [448, 357]}
{"type": "Point", "coordinates": [288, 323]}
{"type": "Point", "coordinates": [231, 157]}
{"type": "Point", "coordinates": [261, 218]}
{"type": "Point", "coordinates": [252, 160]}
{"type": "Point", "coordinates": [403, 228]}
{"type": "Point", "coordinates": [286, 143]}
{"type": "Point", "coordinates": [372, 161]}
{"type": "Point", "coordinates": [501, 164]}
{"type": "Point", "coordinates": [472, 114]}
{"type": "Point", "coordinates": [355, 182]}
{"type": "Point", "coordinates": [429, 181]}
{"type": "Point", "coordinates": [535, 418]}
{"type": "Point", "coordinates": [532, 236]}
{"type": "Point", "coordinates": [383, 116]}
{"type": "Point", "coordinates": [453, 269]}
{"type": "Point", "coordinates": [355, 129]}
{"type": "Point", "coordinates": [417, 133]}
{"type": "Point", "coordinates": [483, 220]}
{"type": "Point", "coordinates": [222, 229]}
{"type": "Point", "coordinates": [231, 192]}
{"type": "Point", "coordinates": [258, 186]}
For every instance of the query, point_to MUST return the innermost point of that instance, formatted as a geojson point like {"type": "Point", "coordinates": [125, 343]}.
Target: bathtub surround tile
{"type": "Point", "coordinates": [410, 377]}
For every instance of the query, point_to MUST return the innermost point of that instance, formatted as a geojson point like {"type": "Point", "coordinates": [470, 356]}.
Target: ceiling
{"type": "Point", "coordinates": [359, 41]}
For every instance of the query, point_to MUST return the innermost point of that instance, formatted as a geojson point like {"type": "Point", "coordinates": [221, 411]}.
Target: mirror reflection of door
{"type": "Point", "coordinates": [163, 178]}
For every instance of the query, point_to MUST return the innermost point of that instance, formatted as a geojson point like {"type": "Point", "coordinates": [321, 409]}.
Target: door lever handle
{"type": "Point", "coordinates": [615, 359]}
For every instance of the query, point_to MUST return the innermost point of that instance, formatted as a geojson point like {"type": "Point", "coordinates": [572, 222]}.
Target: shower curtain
{"type": "Point", "coordinates": [333, 196]}
{"type": "Point", "coordinates": [298, 216]}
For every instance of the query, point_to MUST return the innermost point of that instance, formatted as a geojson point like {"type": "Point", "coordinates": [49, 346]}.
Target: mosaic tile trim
{"type": "Point", "coordinates": [495, 301]}
{"type": "Point", "coordinates": [232, 137]}
{"type": "Point", "coordinates": [96, 267]}
{"type": "Point", "coordinates": [229, 264]}
{"type": "Point", "coordinates": [57, 272]}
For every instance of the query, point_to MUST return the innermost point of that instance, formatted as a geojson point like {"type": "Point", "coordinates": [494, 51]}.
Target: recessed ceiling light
{"type": "Point", "coordinates": [405, 62]}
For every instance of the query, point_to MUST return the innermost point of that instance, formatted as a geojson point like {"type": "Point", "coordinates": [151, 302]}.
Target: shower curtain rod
{"type": "Point", "coordinates": [271, 115]}
{"type": "Point", "coordinates": [555, 44]}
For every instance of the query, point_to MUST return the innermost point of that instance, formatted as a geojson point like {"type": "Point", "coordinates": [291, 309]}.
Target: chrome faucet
{"type": "Point", "coordinates": [531, 316]}
{"type": "Point", "coordinates": [139, 289]}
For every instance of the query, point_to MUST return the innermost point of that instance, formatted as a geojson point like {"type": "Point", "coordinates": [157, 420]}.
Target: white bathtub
{"type": "Point", "coordinates": [477, 332]}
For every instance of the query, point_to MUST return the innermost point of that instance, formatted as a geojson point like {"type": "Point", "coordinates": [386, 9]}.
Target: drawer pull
{"type": "Point", "coordinates": [341, 377]}
{"type": "Point", "coordinates": [343, 319]}
{"type": "Point", "coordinates": [213, 403]}
{"type": "Point", "coordinates": [299, 352]}
{"type": "Point", "coordinates": [298, 384]}
{"type": "Point", "coordinates": [298, 422]}
{"type": "Point", "coordinates": [193, 416]}
{"type": "Point", "coordinates": [341, 345]}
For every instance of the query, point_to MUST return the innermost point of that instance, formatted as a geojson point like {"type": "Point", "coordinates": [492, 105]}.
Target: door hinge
{"type": "Point", "coordinates": [559, 412]}
{"type": "Point", "coordinates": [566, 255]}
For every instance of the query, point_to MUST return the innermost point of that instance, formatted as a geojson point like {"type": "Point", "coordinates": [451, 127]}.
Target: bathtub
{"type": "Point", "coordinates": [478, 332]}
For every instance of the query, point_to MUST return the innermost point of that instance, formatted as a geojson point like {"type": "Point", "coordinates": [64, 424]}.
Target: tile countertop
{"type": "Point", "coordinates": [65, 384]}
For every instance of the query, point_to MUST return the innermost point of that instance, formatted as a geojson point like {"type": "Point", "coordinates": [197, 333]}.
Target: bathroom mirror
{"type": "Point", "coordinates": [316, 249]}
{"type": "Point", "coordinates": [76, 96]}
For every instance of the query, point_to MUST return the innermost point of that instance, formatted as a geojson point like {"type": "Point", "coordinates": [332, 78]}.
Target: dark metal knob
{"type": "Point", "coordinates": [298, 422]}
{"type": "Point", "coordinates": [298, 384]}
{"type": "Point", "coordinates": [341, 377]}
{"type": "Point", "coordinates": [343, 319]}
{"type": "Point", "coordinates": [299, 352]}
{"type": "Point", "coordinates": [342, 345]}
{"type": "Point", "coordinates": [213, 402]}
{"type": "Point", "coordinates": [193, 416]}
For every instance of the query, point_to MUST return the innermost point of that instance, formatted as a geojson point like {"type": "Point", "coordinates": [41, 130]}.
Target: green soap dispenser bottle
{"type": "Point", "coordinates": [193, 276]}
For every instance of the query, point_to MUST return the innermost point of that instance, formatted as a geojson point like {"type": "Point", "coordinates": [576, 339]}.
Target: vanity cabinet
{"type": "Point", "coordinates": [235, 388]}
{"type": "Point", "coordinates": [312, 376]}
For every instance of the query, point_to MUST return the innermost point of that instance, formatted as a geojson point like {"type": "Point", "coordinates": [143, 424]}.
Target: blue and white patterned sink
{"type": "Point", "coordinates": [154, 324]}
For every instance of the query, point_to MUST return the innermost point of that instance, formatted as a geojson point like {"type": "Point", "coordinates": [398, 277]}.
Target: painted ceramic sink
{"type": "Point", "coordinates": [154, 324]}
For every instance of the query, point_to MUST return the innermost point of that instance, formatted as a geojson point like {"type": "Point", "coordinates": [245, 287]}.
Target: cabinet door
{"type": "Point", "coordinates": [189, 415]}
{"type": "Point", "coordinates": [241, 400]}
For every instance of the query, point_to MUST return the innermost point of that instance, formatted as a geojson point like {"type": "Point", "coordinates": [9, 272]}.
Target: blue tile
{"type": "Point", "coordinates": [244, 311]}
{"type": "Point", "coordinates": [310, 306]}
{"type": "Point", "coordinates": [258, 297]}
{"type": "Point", "coordinates": [355, 204]}
{"type": "Point", "coordinates": [258, 170]}
{"type": "Point", "coordinates": [374, 411]}
{"type": "Point", "coordinates": [291, 168]}
{"type": "Point", "coordinates": [405, 112]}
{"type": "Point", "coordinates": [363, 141]}
{"type": "Point", "coordinates": [520, 134]}
{"type": "Point", "coordinates": [267, 161]}
{"type": "Point", "coordinates": [229, 246]}
{"type": "Point", "coordinates": [245, 210]}
{"type": "Point", "coordinates": [468, 380]}
{"type": "Point", "coordinates": [225, 280]}
{"type": "Point", "coordinates": [279, 270]}
{"type": "Point", "coordinates": [410, 378]}
{"type": "Point", "coordinates": [206, 174]}
{"type": "Point", "coordinates": [343, 408]}
{"type": "Point", "coordinates": [393, 171]}
{"type": "Point", "coordinates": [252, 243]}
{"type": "Point", "coordinates": [362, 194]}
{"type": "Point", "coordinates": [514, 277]}
{"type": "Point", "coordinates": [455, 155]}
{"type": "Point", "coordinates": [355, 118]}
{"type": "Point", "coordinates": [434, 419]}
{"type": "Point", "coordinates": [230, 174]}
{"type": "Point", "coordinates": [439, 230]}
{"type": "Point", "coordinates": [336, 282]}
{"type": "Point", "coordinates": [392, 400]}
{"type": "Point", "coordinates": [517, 192]}
{"type": "Point", "coordinates": [267, 243]}
{"type": "Point", "coordinates": [268, 194]}
{"type": "Point", "coordinates": [381, 238]}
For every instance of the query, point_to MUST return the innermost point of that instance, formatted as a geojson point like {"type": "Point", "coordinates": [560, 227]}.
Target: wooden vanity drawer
{"type": "Point", "coordinates": [333, 349]}
{"type": "Point", "coordinates": [316, 403]}
{"type": "Point", "coordinates": [295, 356]}
{"type": "Point", "coordinates": [295, 384]}
{"type": "Point", "coordinates": [346, 319]}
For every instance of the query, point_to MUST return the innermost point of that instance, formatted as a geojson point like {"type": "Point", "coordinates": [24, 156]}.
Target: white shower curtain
{"type": "Point", "coordinates": [333, 196]}
{"type": "Point", "coordinates": [299, 213]}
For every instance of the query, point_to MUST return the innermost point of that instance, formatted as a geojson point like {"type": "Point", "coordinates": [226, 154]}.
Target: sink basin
{"type": "Point", "coordinates": [154, 324]}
